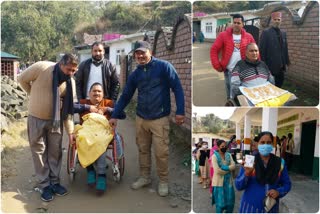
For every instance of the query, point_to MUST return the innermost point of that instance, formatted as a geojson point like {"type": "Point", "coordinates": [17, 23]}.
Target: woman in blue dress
{"type": "Point", "coordinates": [268, 177]}
{"type": "Point", "coordinates": [222, 181]}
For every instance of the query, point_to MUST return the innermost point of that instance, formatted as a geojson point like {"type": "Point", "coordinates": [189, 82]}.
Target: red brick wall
{"type": "Point", "coordinates": [7, 68]}
{"type": "Point", "coordinates": [178, 53]}
{"type": "Point", "coordinates": [303, 45]}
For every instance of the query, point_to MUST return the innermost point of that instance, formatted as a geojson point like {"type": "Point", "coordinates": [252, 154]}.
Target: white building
{"type": "Point", "coordinates": [121, 46]}
{"type": "Point", "coordinates": [113, 48]}
{"type": "Point", "coordinates": [205, 136]}
{"type": "Point", "coordinates": [210, 22]}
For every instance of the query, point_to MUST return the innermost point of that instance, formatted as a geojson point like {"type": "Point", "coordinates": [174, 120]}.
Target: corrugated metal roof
{"type": "Point", "coordinates": [7, 55]}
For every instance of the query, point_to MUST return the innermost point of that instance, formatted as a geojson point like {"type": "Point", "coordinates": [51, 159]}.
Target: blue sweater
{"type": "Point", "coordinates": [153, 82]}
{"type": "Point", "coordinates": [254, 192]}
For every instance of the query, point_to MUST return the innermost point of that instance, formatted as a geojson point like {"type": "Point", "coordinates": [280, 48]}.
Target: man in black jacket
{"type": "Point", "coordinates": [97, 69]}
{"type": "Point", "coordinates": [274, 49]}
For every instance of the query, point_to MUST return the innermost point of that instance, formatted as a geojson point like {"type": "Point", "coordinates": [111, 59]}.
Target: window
{"type": "Point", "coordinates": [119, 53]}
{"type": "Point", "coordinates": [223, 21]}
{"type": "Point", "coordinates": [209, 27]}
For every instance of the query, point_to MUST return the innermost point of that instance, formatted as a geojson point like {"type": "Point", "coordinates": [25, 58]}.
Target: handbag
{"type": "Point", "coordinates": [269, 203]}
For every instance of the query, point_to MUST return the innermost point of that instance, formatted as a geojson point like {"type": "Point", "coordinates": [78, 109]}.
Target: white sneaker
{"type": "Point", "coordinates": [163, 189]}
{"type": "Point", "coordinates": [141, 182]}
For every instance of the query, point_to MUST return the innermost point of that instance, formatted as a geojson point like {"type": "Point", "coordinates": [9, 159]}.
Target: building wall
{"type": "Point", "coordinates": [214, 26]}
{"type": "Point", "coordinates": [9, 68]}
{"type": "Point", "coordinates": [303, 45]}
{"type": "Point", "coordinates": [84, 54]}
{"type": "Point", "coordinates": [177, 50]}
{"type": "Point", "coordinates": [205, 137]}
{"type": "Point", "coordinates": [305, 115]}
{"type": "Point", "coordinates": [126, 45]}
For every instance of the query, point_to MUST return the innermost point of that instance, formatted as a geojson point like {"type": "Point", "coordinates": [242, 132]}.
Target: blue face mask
{"type": "Point", "coordinates": [265, 149]}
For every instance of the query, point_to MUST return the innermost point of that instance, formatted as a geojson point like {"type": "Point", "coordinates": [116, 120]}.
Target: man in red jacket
{"type": "Point", "coordinates": [232, 43]}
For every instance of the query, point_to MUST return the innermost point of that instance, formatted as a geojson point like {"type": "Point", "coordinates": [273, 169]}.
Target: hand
{"type": "Point", "coordinates": [273, 193]}
{"type": "Point", "coordinates": [113, 123]}
{"type": "Point", "coordinates": [109, 109]}
{"type": "Point", "coordinates": [220, 69]}
{"type": "Point", "coordinates": [72, 139]}
{"type": "Point", "coordinates": [93, 109]}
{"type": "Point", "coordinates": [100, 111]}
{"type": "Point", "coordinates": [225, 167]}
{"type": "Point", "coordinates": [179, 119]}
{"type": "Point", "coordinates": [248, 171]}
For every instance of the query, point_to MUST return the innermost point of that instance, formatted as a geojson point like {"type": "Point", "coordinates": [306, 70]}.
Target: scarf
{"type": "Point", "coordinates": [67, 106]}
{"type": "Point", "coordinates": [267, 175]}
{"type": "Point", "coordinates": [253, 64]}
{"type": "Point", "coordinates": [97, 63]}
{"type": "Point", "coordinates": [219, 160]}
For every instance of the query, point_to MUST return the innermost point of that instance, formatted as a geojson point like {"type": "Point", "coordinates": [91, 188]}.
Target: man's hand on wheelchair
{"type": "Point", "coordinates": [105, 110]}
{"type": "Point", "coordinates": [113, 123]}
{"type": "Point", "coordinates": [93, 109]}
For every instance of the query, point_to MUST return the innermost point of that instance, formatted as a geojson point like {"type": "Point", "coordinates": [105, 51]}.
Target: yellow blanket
{"type": "Point", "coordinates": [92, 138]}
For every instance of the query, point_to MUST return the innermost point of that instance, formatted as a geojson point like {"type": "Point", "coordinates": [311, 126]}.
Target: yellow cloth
{"type": "Point", "coordinates": [92, 138]}
{"type": "Point", "coordinates": [277, 101]}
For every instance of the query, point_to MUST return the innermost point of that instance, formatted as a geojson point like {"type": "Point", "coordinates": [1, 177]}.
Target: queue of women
{"type": "Point", "coordinates": [263, 183]}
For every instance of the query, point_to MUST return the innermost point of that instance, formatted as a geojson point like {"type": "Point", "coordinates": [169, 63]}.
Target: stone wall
{"type": "Point", "coordinates": [13, 102]}
{"type": "Point", "coordinates": [303, 45]}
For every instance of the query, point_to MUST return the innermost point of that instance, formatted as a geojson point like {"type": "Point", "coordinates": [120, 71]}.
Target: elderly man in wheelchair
{"type": "Point", "coordinates": [253, 85]}
{"type": "Point", "coordinates": [94, 136]}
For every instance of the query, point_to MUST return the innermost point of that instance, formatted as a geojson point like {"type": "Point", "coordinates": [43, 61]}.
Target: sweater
{"type": "Point", "coordinates": [254, 192]}
{"type": "Point", "coordinates": [224, 43]}
{"type": "Point", "coordinates": [153, 81]}
{"type": "Point", "coordinates": [249, 74]}
{"type": "Point", "coordinates": [36, 80]}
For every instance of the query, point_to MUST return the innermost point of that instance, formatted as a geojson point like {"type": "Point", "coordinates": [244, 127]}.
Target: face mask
{"type": "Point", "coordinates": [223, 150]}
{"type": "Point", "coordinates": [265, 149]}
{"type": "Point", "coordinates": [204, 146]}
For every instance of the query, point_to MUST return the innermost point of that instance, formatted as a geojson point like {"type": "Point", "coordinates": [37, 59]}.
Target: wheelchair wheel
{"type": "Point", "coordinates": [122, 160]}
{"type": "Point", "coordinates": [72, 162]}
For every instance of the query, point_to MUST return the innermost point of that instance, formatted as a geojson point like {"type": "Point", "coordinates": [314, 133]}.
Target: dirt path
{"type": "Point", "coordinates": [18, 194]}
{"type": "Point", "coordinates": [208, 84]}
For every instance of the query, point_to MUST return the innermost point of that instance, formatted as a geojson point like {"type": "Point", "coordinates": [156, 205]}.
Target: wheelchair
{"type": "Point", "coordinates": [117, 158]}
{"type": "Point", "coordinates": [240, 100]}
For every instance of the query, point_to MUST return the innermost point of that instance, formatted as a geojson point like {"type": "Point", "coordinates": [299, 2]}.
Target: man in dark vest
{"type": "Point", "coordinates": [274, 49]}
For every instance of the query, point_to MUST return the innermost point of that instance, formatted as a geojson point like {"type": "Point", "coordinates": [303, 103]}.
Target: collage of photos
{"type": "Point", "coordinates": [255, 121]}
{"type": "Point", "coordinates": [160, 106]}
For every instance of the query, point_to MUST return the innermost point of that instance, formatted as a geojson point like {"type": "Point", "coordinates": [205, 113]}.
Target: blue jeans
{"type": "Point", "coordinates": [227, 78]}
{"type": "Point", "coordinates": [101, 164]}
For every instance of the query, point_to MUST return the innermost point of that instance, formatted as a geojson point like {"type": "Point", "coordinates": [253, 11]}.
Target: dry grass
{"type": "Point", "coordinates": [12, 143]}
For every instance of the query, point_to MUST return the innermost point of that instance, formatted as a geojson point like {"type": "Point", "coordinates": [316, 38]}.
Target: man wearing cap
{"type": "Point", "coordinates": [274, 49]}
{"type": "Point", "coordinates": [97, 69]}
{"type": "Point", "coordinates": [232, 43]}
{"type": "Point", "coordinates": [153, 78]}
